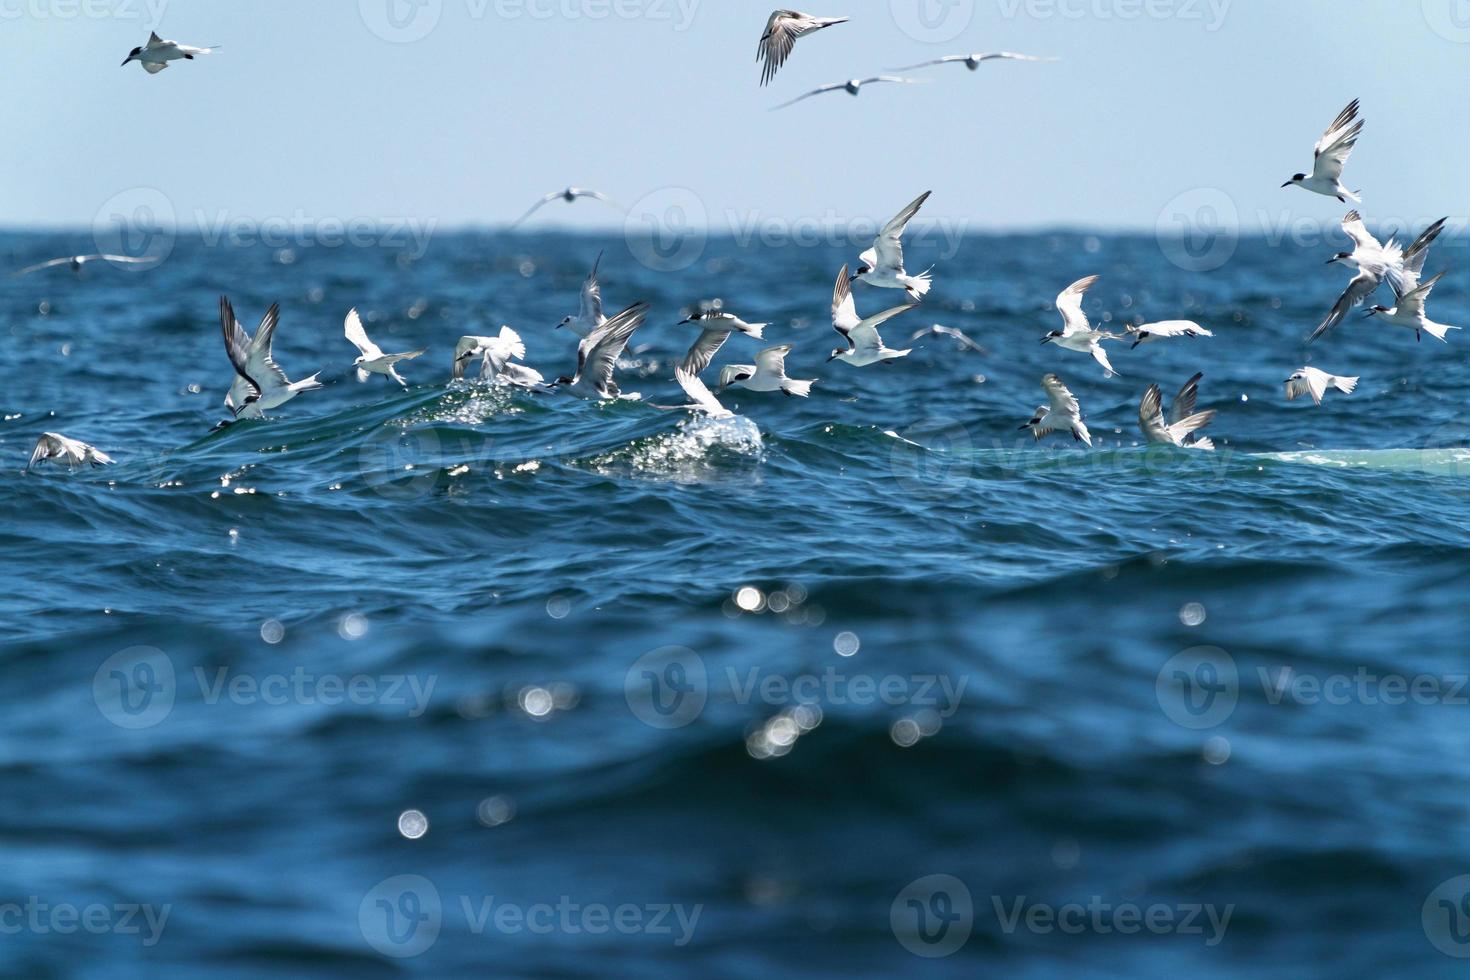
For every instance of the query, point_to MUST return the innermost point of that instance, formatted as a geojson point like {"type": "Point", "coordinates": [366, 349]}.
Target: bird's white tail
{"type": "Point", "coordinates": [1205, 443]}
{"type": "Point", "coordinates": [1438, 330]}
{"type": "Point", "coordinates": [757, 330]}
{"type": "Point", "coordinates": [801, 389]}
{"type": "Point", "coordinates": [1345, 385]}
{"type": "Point", "coordinates": [308, 384]}
{"type": "Point", "coordinates": [919, 285]}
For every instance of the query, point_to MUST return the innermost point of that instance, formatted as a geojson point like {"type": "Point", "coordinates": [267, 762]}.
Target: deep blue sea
{"type": "Point", "coordinates": [464, 681]}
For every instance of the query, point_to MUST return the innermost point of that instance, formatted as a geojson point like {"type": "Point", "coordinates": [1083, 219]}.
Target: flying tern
{"type": "Point", "coordinates": [716, 326]}
{"type": "Point", "coordinates": [1310, 381]}
{"type": "Point", "coordinates": [569, 195]}
{"type": "Point", "coordinates": [1410, 312]}
{"type": "Point", "coordinates": [71, 452]}
{"type": "Point", "coordinates": [157, 53]}
{"type": "Point", "coordinates": [371, 359]}
{"type": "Point", "coordinates": [1077, 333]}
{"type": "Point", "coordinates": [1061, 413]}
{"type": "Point", "coordinates": [882, 265]}
{"type": "Point", "coordinates": [497, 358]}
{"type": "Point", "coordinates": [768, 373]}
{"type": "Point", "coordinates": [1148, 333]}
{"type": "Point", "coordinates": [598, 354]}
{"type": "Point", "coordinates": [973, 61]}
{"type": "Point", "coordinates": [864, 345]}
{"type": "Point", "coordinates": [782, 30]}
{"type": "Point", "coordinates": [1183, 421]}
{"type": "Point", "coordinates": [75, 262]}
{"type": "Point", "coordinates": [1332, 153]}
{"type": "Point", "coordinates": [589, 317]}
{"type": "Point", "coordinates": [260, 385]}
{"type": "Point", "coordinates": [852, 86]}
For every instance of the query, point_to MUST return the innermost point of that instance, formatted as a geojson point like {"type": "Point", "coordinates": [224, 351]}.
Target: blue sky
{"type": "Point", "coordinates": [333, 110]}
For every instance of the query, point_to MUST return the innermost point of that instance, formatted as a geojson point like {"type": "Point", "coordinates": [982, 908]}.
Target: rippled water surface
{"type": "Point", "coordinates": [681, 697]}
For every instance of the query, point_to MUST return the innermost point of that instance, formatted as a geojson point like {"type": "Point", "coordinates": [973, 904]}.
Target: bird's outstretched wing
{"type": "Point", "coordinates": [353, 329]}
{"type": "Point", "coordinates": [591, 312]}
{"type": "Point", "coordinates": [823, 90]}
{"type": "Point", "coordinates": [1069, 305]}
{"type": "Point", "coordinates": [1358, 290]}
{"type": "Point", "coordinates": [888, 246]}
{"type": "Point", "coordinates": [237, 346]}
{"type": "Point", "coordinates": [1337, 143]}
{"type": "Point", "coordinates": [844, 310]}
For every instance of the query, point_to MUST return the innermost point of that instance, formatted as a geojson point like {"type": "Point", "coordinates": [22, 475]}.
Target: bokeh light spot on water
{"type": "Point", "coordinates": [493, 811]}
{"type": "Point", "coordinates": [272, 631]}
{"type": "Point", "coordinates": [413, 824]}
{"type": "Point", "coordinates": [750, 599]}
{"type": "Point", "coordinates": [846, 644]}
{"type": "Point", "coordinates": [1217, 750]}
{"type": "Point", "coordinates": [353, 626]}
{"type": "Point", "coordinates": [1192, 614]}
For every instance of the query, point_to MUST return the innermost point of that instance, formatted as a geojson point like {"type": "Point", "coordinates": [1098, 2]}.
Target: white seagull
{"type": "Point", "coordinates": [973, 61]}
{"type": "Point", "coordinates": [589, 317]}
{"type": "Point", "coordinates": [1375, 263]}
{"type": "Point", "coordinates": [1183, 420]}
{"type": "Point", "coordinates": [882, 265]}
{"type": "Point", "coordinates": [1332, 154]}
{"type": "Point", "coordinates": [1410, 313]}
{"type": "Point", "coordinates": [371, 359]}
{"type": "Point", "coordinates": [1310, 381]}
{"type": "Point", "coordinates": [260, 385]}
{"type": "Point", "coordinates": [54, 445]}
{"type": "Point", "coordinates": [864, 345]}
{"type": "Point", "coordinates": [852, 86]}
{"type": "Point", "coordinates": [1167, 330]}
{"type": "Point", "coordinates": [717, 326]}
{"type": "Point", "coordinates": [157, 53]}
{"type": "Point", "coordinates": [1076, 333]}
{"type": "Point", "coordinates": [782, 30]}
{"type": "Point", "coordinates": [569, 195]}
{"type": "Point", "coordinates": [497, 358]}
{"type": "Point", "coordinates": [1061, 413]}
{"type": "Point", "coordinates": [598, 354]}
{"type": "Point", "coordinates": [75, 262]}
{"type": "Point", "coordinates": [768, 373]}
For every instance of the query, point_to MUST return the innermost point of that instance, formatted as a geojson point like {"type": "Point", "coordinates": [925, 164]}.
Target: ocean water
{"type": "Point", "coordinates": [867, 684]}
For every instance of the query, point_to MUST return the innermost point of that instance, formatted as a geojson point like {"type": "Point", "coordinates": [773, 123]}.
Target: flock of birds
{"type": "Point", "coordinates": [260, 385]}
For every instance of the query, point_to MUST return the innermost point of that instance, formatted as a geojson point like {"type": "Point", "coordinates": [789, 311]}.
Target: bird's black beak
{"type": "Point", "coordinates": [832, 358]}
{"type": "Point", "coordinates": [1135, 345]}
{"type": "Point", "coordinates": [1047, 339]}
{"type": "Point", "coordinates": [127, 59]}
{"type": "Point", "coordinates": [1332, 260]}
{"type": "Point", "coordinates": [1288, 183]}
{"type": "Point", "coordinates": [1024, 427]}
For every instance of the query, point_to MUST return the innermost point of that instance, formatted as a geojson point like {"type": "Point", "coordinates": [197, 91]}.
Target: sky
{"type": "Point", "coordinates": [463, 112]}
